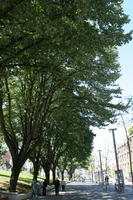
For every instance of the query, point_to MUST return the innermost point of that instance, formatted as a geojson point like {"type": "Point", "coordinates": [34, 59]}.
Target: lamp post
{"type": "Point", "coordinates": [117, 164]}
{"type": "Point", "coordinates": [101, 166]}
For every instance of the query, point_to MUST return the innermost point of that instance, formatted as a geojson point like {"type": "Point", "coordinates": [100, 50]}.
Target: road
{"type": "Point", "coordinates": [88, 191]}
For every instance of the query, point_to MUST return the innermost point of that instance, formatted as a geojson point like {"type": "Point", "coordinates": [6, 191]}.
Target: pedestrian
{"type": "Point", "coordinates": [38, 187]}
{"type": "Point", "coordinates": [63, 184]}
{"type": "Point", "coordinates": [106, 179]}
{"type": "Point", "coordinates": [44, 187]}
{"type": "Point", "coordinates": [34, 188]}
{"type": "Point", "coordinates": [57, 186]}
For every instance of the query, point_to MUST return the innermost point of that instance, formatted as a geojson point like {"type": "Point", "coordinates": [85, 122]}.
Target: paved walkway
{"type": "Point", "coordinates": [87, 191]}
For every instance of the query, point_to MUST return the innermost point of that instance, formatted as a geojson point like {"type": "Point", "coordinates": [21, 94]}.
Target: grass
{"type": "Point", "coordinates": [24, 181]}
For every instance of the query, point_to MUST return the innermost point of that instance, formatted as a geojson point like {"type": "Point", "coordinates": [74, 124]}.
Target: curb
{"type": "Point", "coordinates": [15, 195]}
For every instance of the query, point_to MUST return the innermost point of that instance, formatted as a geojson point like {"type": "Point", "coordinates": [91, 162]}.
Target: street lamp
{"type": "Point", "coordinates": [117, 164]}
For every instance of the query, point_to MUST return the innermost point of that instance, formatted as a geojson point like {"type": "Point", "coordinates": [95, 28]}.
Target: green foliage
{"type": "Point", "coordinates": [90, 163]}
{"type": "Point", "coordinates": [57, 31]}
{"type": "Point", "coordinates": [130, 130]}
{"type": "Point", "coordinates": [58, 71]}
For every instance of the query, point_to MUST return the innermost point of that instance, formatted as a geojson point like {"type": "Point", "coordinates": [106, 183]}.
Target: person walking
{"type": "Point", "coordinates": [63, 184]}
{"type": "Point", "coordinates": [34, 188]}
{"type": "Point", "coordinates": [38, 187]}
{"type": "Point", "coordinates": [106, 179]}
{"type": "Point", "coordinates": [44, 187]}
{"type": "Point", "coordinates": [57, 186]}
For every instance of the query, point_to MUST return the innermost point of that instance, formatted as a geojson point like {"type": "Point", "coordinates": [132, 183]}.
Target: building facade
{"type": "Point", "coordinates": [123, 157]}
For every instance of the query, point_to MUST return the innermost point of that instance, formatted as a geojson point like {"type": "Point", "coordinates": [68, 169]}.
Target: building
{"type": "Point", "coordinates": [123, 157]}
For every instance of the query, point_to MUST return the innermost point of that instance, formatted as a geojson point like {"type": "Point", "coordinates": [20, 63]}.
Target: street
{"type": "Point", "coordinates": [86, 191]}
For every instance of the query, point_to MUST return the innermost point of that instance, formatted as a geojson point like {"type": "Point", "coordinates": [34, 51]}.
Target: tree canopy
{"type": "Point", "coordinates": [58, 72]}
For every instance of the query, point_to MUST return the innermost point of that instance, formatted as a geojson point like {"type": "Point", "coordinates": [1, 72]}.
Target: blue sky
{"type": "Point", "coordinates": [126, 83]}
{"type": "Point", "coordinates": [126, 55]}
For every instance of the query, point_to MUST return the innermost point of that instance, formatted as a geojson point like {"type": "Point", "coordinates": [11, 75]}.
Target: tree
{"type": "Point", "coordinates": [35, 158]}
{"type": "Point", "coordinates": [23, 108]}
{"type": "Point", "coordinates": [130, 130]}
{"type": "Point", "coordinates": [54, 46]}
{"type": "Point", "coordinates": [90, 166]}
{"type": "Point", "coordinates": [30, 29]}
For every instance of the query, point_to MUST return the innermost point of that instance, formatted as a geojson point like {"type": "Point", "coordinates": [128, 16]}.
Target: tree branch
{"type": "Point", "coordinates": [9, 107]}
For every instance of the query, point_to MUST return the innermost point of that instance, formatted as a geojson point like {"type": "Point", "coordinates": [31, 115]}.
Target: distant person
{"type": "Point", "coordinates": [38, 187]}
{"type": "Point", "coordinates": [63, 184]}
{"type": "Point", "coordinates": [107, 179]}
{"type": "Point", "coordinates": [34, 188]}
{"type": "Point", "coordinates": [57, 186]}
{"type": "Point", "coordinates": [44, 187]}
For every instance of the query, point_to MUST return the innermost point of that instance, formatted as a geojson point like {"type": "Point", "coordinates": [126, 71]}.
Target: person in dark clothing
{"type": "Point", "coordinates": [34, 188]}
{"type": "Point", "coordinates": [44, 187]}
{"type": "Point", "coordinates": [106, 179]}
{"type": "Point", "coordinates": [57, 186]}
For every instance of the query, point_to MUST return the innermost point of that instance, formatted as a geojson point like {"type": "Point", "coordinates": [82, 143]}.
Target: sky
{"type": "Point", "coordinates": [126, 54]}
{"type": "Point", "coordinates": [103, 140]}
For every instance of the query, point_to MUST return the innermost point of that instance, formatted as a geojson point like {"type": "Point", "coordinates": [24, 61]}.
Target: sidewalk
{"type": "Point", "coordinates": [49, 189]}
{"type": "Point", "coordinates": [128, 188]}
{"type": "Point", "coordinates": [127, 194]}
{"type": "Point", "coordinates": [92, 192]}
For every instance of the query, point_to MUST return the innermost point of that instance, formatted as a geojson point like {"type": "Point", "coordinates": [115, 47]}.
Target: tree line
{"type": "Point", "coordinates": [58, 68]}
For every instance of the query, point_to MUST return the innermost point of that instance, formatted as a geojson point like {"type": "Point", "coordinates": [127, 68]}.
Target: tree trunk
{"type": "Point", "coordinates": [70, 173]}
{"type": "Point", "coordinates": [62, 174]}
{"type": "Point", "coordinates": [92, 176]}
{"type": "Point", "coordinates": [16, 169]}
{"type": "Point", "coordinates": [53, 173]}
{"type": "Point", "coordinates": [14, 178]}
{"type": "Point", "coordinates": [70, 176]}
{"type": "Point", "coordinates": [47, 173]}
{"type": "Point", "coordinates": [36, 170]}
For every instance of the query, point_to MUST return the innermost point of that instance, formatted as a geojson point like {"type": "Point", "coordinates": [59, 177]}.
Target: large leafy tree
{"type": "Point", "coordinates": [36, 28]}
{"type": "Point", "coordinates": [67, 46]}
{"type": "Point", "coordinates": [65, 130]}
{"type": "Point", "coordinates": [24, 105]}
